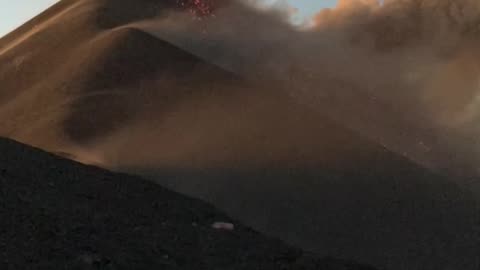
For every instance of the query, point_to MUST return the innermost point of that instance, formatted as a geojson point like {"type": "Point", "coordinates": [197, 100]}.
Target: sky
{"type": "Point", "coordinates": [14, 13]}
{"type": "Point", "coordinates": [306, 8]}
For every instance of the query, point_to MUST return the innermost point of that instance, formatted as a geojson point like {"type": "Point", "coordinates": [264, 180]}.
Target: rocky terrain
{"type": "Point", "coordinates": [58, 214]}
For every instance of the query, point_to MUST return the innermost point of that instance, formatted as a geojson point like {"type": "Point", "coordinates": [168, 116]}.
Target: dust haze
{"type": "Point", "coordinates": [403, 73]}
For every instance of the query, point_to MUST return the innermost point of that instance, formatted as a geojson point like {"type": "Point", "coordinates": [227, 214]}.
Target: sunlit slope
{"type": "Point", "coordinates": [82, 81]}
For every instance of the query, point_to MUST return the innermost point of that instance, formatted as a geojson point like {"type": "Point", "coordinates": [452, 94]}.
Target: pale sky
{"type": "Point", "coordinates": [14, 13]}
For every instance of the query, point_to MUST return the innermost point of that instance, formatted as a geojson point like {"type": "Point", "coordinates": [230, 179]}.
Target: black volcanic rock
{"type": "Point", "coordinates": [57, 214]}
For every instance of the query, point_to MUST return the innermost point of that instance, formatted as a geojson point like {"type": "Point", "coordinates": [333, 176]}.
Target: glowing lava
{"type": "Point", "coordinates": [199, 8]}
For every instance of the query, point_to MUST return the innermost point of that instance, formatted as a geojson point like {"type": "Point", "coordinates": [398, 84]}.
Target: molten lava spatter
{"type": "Point", "coordinates": [200, 8]}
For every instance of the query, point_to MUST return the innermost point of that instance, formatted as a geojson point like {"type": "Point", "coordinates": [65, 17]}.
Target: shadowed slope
{"type": "Point", "coordinates": [57, 214]}
{"type": "Point", "coordinates": [123, 70]}
{"type": "Point", "coordinates": [391, 214]}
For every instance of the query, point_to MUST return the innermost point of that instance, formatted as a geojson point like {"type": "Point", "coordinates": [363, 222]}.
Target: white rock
{"type": "Point", "coordinates": [223, 226]}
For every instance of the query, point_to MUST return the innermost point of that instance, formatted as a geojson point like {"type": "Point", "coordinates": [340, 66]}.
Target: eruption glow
{"type": "Point", "coordinates": [200, 8]}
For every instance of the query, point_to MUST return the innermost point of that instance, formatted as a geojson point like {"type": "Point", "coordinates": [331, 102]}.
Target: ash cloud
{"type": "Point", "coordinates": [403, 72]}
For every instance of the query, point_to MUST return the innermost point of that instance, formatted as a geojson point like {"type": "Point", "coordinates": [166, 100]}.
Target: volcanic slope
{"type": "Point", "coordinates": [82, 81]}
{"type": "Point", "coordinates": [58, 214]}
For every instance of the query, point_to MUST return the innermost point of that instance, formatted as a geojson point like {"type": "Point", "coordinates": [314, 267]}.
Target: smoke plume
{"type": "Point", "coordinates": [402, 72]}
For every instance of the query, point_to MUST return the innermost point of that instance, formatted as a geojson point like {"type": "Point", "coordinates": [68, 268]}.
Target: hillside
{"type": "Point", "coordinates": [128, 79]}
{"type": "Point", "coordinates": [57, 214]}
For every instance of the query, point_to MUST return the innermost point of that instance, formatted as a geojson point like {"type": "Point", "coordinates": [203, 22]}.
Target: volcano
{"type": "Point", "coordinates": [82, 80]}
